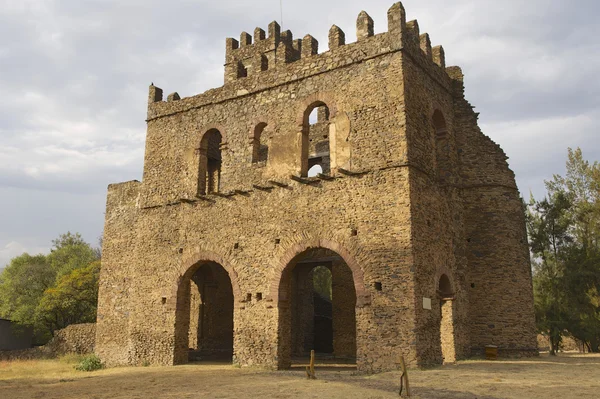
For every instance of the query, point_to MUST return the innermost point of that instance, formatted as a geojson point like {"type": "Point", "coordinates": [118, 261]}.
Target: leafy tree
{"type": "Point", "coordinates": [70, 252]}
{"type": "Point", "coordinates": [548, 225]}
{"type": "Point", "coordinates": [73, 299]}
{"type": "Point", "coordinates": [564, 233]}
{"type": "Point", "coordinates": [582, 185]}
{"type": "Point", "coordinates": [42, 290]}
{"type": "Point", "coordinates": [22, 285]}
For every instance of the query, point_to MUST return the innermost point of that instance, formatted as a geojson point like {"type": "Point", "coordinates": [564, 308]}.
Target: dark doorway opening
{"type": "Point", "coordinates": [317, 309]}
{"type": "Point", "coordinates": [204, 325]}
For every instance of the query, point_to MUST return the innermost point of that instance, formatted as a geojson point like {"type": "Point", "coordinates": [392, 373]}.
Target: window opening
{"type": "Point", "coordinates": [209, 173]}
{"type": "Point", "coordinates": [315, 139]}
{"type": "Point", "coordinates": [260, 147]}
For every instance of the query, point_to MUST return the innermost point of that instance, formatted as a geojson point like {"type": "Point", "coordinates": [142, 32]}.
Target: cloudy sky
{"type": "Point", "coordinates": [74, 77]}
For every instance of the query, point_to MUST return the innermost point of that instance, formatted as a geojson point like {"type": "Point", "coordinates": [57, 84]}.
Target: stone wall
{"type": "Point", "coordinates": [413, 194]}
{"type": "Point", "coordinates": [568, 344]}
{"type": "Point", "coordinates": [76, 338]}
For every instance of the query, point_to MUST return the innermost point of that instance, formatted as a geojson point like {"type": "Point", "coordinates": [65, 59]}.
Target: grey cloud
{"type": "Point", "coordinates": [74, 78]}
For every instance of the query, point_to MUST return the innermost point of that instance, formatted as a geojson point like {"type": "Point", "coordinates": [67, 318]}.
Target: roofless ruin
{"type": "Point", "coordinates": [362, 165]}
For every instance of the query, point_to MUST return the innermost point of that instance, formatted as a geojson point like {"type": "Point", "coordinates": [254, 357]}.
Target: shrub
{"type": "Point", "coordinates": [89, 363]}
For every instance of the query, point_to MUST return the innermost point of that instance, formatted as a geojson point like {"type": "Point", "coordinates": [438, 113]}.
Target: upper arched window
{"type": "Point", "coordinates": [209, 170]}
{"type": "Point", "coordinates": [260, 146]}
{"type": "Point", "coordinates": [315, 139]}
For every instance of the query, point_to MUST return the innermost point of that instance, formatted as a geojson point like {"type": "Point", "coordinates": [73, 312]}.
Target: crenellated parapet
{"type": "Point", "coordinates": [252, 54]}
{"type": "Point", "coordinates": [273, 57]}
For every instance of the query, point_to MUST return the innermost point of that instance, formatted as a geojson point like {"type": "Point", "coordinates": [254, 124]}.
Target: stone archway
{"type": "Point", "coordinates": [363, 297]}
{"type": "Point", "coordinates": [204, 310]}
{"type": "Point", "coordinates": [301, 326]}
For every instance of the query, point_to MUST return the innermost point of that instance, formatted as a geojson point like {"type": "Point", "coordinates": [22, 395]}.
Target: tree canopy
{"type": "Point", "coordinates": [52, 291]}
{"type": "Point", "coordinates": [564, 235]}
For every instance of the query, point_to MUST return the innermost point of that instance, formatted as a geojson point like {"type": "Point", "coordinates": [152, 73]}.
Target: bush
{"type": "Point", "coordinates": [89, 363]}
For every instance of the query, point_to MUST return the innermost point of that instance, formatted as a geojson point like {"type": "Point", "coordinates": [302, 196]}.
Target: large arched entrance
{"type": "Point", "coordinates": [204, 317]}
{"type": "Point", "coordinates": [317, 300]}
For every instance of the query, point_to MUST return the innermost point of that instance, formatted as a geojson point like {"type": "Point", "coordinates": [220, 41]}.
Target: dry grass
{"type": "Point", "coordinates": [566, 376]}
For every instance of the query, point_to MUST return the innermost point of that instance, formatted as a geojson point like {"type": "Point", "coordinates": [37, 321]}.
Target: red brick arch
{"type": "Point", "coordinates": [321, 97]}
{"type": "Point", "coordinates": [257, 121]}
{"type": "Point", "coordinates": [206, 128]}
{"type": "Point", "coordinates": [191, 263]}
{"type": "Point", "coordinates": [363, 298]}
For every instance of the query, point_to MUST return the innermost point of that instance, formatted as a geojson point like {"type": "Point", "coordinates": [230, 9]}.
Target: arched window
{"type": "Point", "coordinates": [315, 139]}
{"type": "Point", "coordinates": [442, 148]}
{"type": "Point", "coordinates": [209, 170]}
{"type": "Point", "coordinates": [260, 148]}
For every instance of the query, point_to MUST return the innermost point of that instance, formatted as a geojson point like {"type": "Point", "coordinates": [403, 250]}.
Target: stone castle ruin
{"type": "Point", "coordinates": [363, 163]}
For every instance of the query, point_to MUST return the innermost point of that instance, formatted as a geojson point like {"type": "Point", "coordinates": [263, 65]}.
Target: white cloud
{"type": "Point", "coordinates": [75, 75]}
{"type": "Point", "coordinates": [537, 148]}
{"type": "Point", "coordinates": [13, 249]}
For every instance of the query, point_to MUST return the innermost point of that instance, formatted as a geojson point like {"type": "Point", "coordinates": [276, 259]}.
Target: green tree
{"type": "Point", "coordinates": [22, 285]}
{"type": "Point", "coordinates": [582, 272]}
{"type": "Point", "coordinates": [70, 252]}
{"type": "Point", "coordinates": [72, 300]}
{"type": "Point", "coordinates": [548, 224]}
{"type": "Point", "coordinates": [564, 233]}
{"type": "Point", "coordinates": [32, 286]}
{"type": "Point", "coordinates": [582, 186]}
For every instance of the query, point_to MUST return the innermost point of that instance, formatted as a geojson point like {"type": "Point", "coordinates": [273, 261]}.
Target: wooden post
{"type": "Point", "coordinates": [310, 370]}
{"type": "Point", "coordinates": [404, 378]}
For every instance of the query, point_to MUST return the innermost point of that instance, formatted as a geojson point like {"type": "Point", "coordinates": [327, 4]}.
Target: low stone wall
{"type": "Point", "coordinates": [76, 338]}
{"type": "Point", "coordinates": [568, 344]}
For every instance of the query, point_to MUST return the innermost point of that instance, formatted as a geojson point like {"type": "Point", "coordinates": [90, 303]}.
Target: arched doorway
{"type": "Point", "coordinates": [204, 316]}
{"type": "Point", "coordinates": [317, 300]}
{"type": "Point", "coordinates": [446, 295]}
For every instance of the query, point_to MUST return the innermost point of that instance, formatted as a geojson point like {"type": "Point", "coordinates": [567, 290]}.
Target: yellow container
{"type": "Point", "coordinates": [491, 352]}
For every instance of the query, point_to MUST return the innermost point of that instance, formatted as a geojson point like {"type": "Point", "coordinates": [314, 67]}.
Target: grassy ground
{"type": "Point", "coordinates": [565, 376]}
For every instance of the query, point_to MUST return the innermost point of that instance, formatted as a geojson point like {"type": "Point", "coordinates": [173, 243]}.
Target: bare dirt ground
{"type": "Point", "coordinates": [565, 376]}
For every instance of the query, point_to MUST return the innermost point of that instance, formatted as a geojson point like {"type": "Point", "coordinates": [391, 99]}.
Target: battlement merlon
{"type": "Point", "coordinates": [241, 57]}
{"type": "Point", "coordinates": [255, 62]}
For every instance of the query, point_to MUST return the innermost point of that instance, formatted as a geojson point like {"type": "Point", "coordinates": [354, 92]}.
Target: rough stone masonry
{"type": "Point", "coordinates": [365, 160]}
